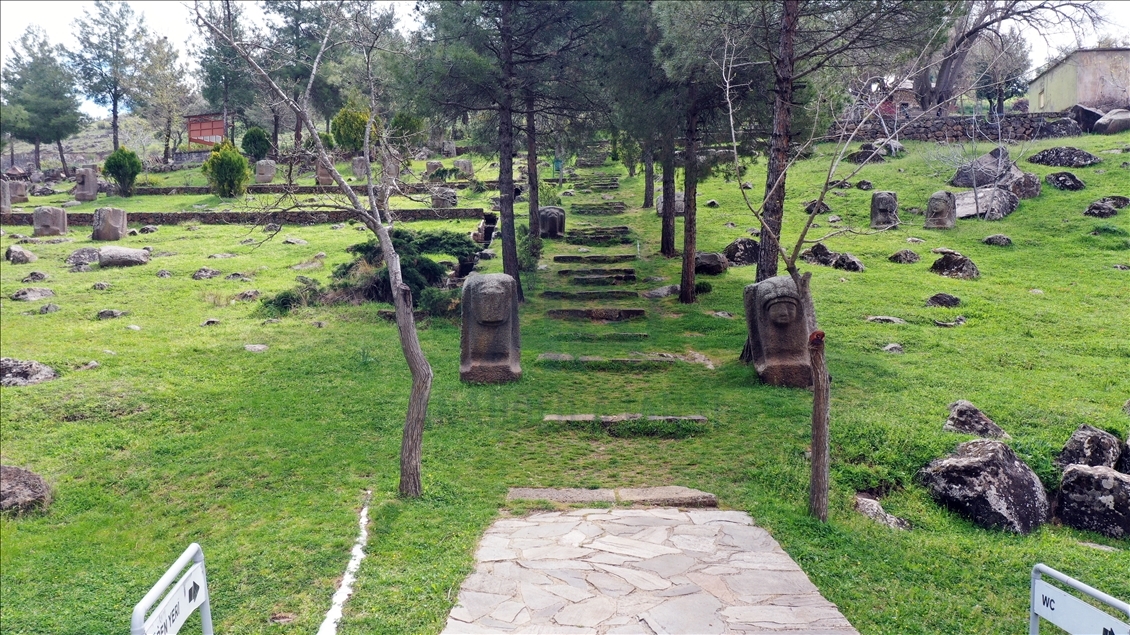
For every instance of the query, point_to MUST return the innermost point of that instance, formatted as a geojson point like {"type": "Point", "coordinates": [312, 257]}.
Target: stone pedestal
{"type": "Point", "coordinates": [86, 184]}
{"type": "Point", "coordinates": [360, 167]}
{"type": "Point", "coordinates": [17, 191]}
{"type": "Point", "coordinates": [265, 171]}
{"type": "Point", "coordinates": [49, 221]}
{"type": "Point", "coordinates": [778, 333]}
{"type": "Point", "coordinates": [5, 197]}
{"type": "Point", "coordinates": [941, 211]}
{"type": "Point", "coordinates": [464, 167]}
{"type": "Point", "coordinates": [490, 343]}
{"type": "Point", "coordinates": [884, 210]}
{"type": "Point", "coordinates": [444, 197]}
{"type": "Point", "coordinates": [431, 166]}
{"type": "Point", "coordinates": [680, 204]}
{"type": "Point", "coordinates": [323, 176]}
{"type": "Point", "coordinates": [551, 221]}
{"type": "Point", "coordinates": [109, 223]}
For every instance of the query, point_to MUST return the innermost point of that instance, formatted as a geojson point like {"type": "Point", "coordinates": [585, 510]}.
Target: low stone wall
{"type": "Point", "coordinates": [282, 188]}
{"type": "Point", "coordinates": [252, 218]}
{"type": "Point", "coordinates": [1012, 127]}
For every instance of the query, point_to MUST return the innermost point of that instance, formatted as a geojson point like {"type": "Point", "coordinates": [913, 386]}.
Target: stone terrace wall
{"type": "Point", "coordinates": [282, 188]}
{"type": "Point", "coordinates": [1013, 127]}
{"type": "Point", "coordinates": [252, 218]}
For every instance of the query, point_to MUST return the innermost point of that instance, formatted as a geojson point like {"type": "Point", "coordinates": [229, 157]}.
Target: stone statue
{"type": "Point", "coordinates": [49, 221]}
{"type": "Point", "coordinates": [778, 333]}
{"type": "Point", "coordinates": [5, 197]}
{"type": "Point", "coordinates": [444, 197]}
{"type": "Point", "coordinates": [941, 211]}
{"type": "Point", "coordinates": [884, 210]}
{"type": "Point", "coordinates": [109, 223]}
{"type": "Point", "coordinates": [491, 348]}
{"type": "Point", "coordinates": [18, 191]}
{"type": "Point", "coordinates": [551, 220]}
{"type": "Point", "coordinates": [360, 167]}
{"type": "Point", "coordinates": [323, 176]}
{"type": "Point", "coordinates": [466, 170]}
{"type": "Point", "coordinates": [265, 171]}
{"type": "Point", "coordinates": [86, 188]}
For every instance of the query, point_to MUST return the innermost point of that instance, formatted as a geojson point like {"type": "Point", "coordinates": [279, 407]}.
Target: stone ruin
{"type": "Point", "coordinates": [49, 221]}
{"type": "Point", "coordinates": [265, 171]}
{"type": "Point", "coordinates": [444, 197]}
{"type": "Point", "coordinates": [86, 184]}
{"type": "Point", "coordinates": [551, 220]}
{"type": "Point", "coordinates": [431, 166]}
{"type": "Point", "coordinates": [17, 191]}
{"type": "Point", "coordinates": [778, 333]}
{"type": "Point", "coordinates": [360, 167]}
{"type": "Point", "coordinates": [884, 210]}
{"type": "Point", "coordinates": [109, 224]}
{"type": "Point", "coordinates": [466, 170]}
{"type": "Point", "coordinates": [323, 176]}
{"type": "Point", "coordinates": [490, 343]}
{"type": "Point", "coordinates": [5, 197]}
{"type": "Point", "coordinates": [941, 211]}
{"type": "Point", "coordinates": [680, 204]}
{"type": "Point", "coordinates": [484, 233]}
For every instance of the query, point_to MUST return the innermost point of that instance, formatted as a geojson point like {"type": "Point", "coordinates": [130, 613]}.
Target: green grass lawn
{"type": "Point", "coordinates": [181, 435]}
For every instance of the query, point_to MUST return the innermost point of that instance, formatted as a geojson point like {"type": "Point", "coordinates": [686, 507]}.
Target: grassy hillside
{"type": "Point", "coordinates": [181, 435]}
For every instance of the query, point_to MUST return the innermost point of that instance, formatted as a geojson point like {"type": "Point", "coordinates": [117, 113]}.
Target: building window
{"type": "Point", "coordinates": [1041, 99]}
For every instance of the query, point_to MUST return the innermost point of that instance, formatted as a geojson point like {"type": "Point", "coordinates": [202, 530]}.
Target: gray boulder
{"type": "Point", "coordinates": [742, 252]}
{"type": "Point", "coordinates": [444, 197]}
{"type": "Point", "coordinates": [83, 256]}
{"type": "Point", "coordinates": [1064, 181]}
{"type": "Point", "coordinates": [1115, 121]}
{"type": "Point", "coordinates": [1085, 116]}
{"type": "Point", "coordinates": [1090, 446]}
{"type": "Point", "coordinates": [1100, 209]}
{"type": "Point", "coordinates": [819, 254]}
{"type": "Point", "coordinates": [1064, 157]}
{"type": "Point", "coordinates": [662, 292]}
{"type": "Point", "coordinates": [710, 264]}
{"type": "Point", "coordinates": [122, 257]}
{"type": "Point", "coordinates": [948, 301]}
{"type": "Point", "coordinates": [1061, 127]}
{"type": "Point", "coordinates": [680, 204]}
{"type": "Point", "coordinates": [998, 240]}
{"type": "Point", "coordinates": [1095, 498]}
{"type": "Point", "coordinates": [955, 266]}
{"type": "Point", "coordinates": [22, 490]}
{"type": "Point", "coordinates": [35, 276]}
{"type": "Point", "coordinates": [1022, 184]}
{"type": "Point", "coordinates": [848, 262]}
{"type": "Point", "coordinates": [110, 223]}
{"type": "Point", "coordinates": [32, 294]}
{"type": "Point", "coordinates": [205, 273]}
{"type": "Point", "coordinates": [904, 257]}
{"type": "Point", "coordinates": [968, 419]}
{"type": "Point", "coordinates": [19, 256]}
{"type": "Point", "coordinates": [984, 170]}
{"type": "Point", "coordinates": [110, 314]}
{"type": "Point", "coordinates": [15, 372]}
{"type": "Point", "coordinates": [987, 483]}
{"type": "Point", "coordinates": [989, 203]}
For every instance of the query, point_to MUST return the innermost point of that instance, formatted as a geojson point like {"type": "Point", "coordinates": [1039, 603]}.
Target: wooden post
{"type": "Point", "coordinates": [818, 484]}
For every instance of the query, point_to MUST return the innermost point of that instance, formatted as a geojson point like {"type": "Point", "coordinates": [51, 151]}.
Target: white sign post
{"type": "Point", "coordinates": [1069, 612]}
{"type": "Point", "coordinates": [188, 594]}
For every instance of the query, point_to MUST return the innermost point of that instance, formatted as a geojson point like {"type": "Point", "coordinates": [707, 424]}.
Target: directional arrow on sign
{"type": "Point", "coordinates": [192, 591]}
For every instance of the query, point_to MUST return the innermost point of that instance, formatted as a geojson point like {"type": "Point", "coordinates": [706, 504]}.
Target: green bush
{"type": "Point", "coordinates": [227, 171]}
{"type": "Point", "coordinates": [308, 292]}
{"type": "Point", "coordinates": [366, 277]}
{"type": "Point", "coordinates": [702, 286]}
{"type": "Point", "coordinates": [256, 144]}
{"type": "Point", "coordinates": [348, 127]}
{"type": "Point", "coordinates": [440, 303]}
{"type": "Point", "coordinates": [327, 142]}
{"type": "Point", "coordinates": [123, 166]}
{"type": "Point", "coordinates": [547, 194]}
{"type": "Point", "coordinates": [529, 249]}
{"type": "Point", "coordinates": [406, 129]}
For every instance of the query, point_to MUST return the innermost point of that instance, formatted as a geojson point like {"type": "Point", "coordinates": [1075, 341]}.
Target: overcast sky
{"type": "Point", "coordinates": [172, 20]}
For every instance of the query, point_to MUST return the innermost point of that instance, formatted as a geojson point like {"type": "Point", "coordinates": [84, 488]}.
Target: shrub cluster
{"type": "Point", "coordinates": [123, 166]}
{"type": "Point", "coordinates": [227, 171]}
{"type": "Point", "coordinates": [256, 144]}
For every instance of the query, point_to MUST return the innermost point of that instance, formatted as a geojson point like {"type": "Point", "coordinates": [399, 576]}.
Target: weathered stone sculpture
{"type": "Point", "coordinates": [941, 211]}
{"type": "Point", "coordinates": [465, 168]}
{"type": "Point", "coordinates": [778, 333]}
{"type": "Point", "coordinates": [265, 171]}
{"type": "Point", "coordinates": [444, 197]}
{"type": "Point", "coordinates": [431, 166]}
{"type": "Point", "coordinates": [360, 167]}
{"type": "Point", "coordinates": [5, 198]}
{"type": "Point", "coordinates": [491, 346]}
{"type": "Point", "coordinates": [49, 221]}
{"type": "Point", "coordinates": [884, 210]}
{"type": "Point", "coordinates": [551, 220]}
{"type": "Point", "coordinates": [86, 184]}
{"type": "Point", "coordinates": [323, 176]}
{"type": "Point", "coordinates": [109, 223]}
{"type": "Point", "coordinates": [680, 204]}
{"type": "Point", "coordinates": [17, 191]}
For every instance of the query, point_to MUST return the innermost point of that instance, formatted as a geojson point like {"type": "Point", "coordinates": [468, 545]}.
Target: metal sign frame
{"type": "Point", "coordinates": [188, 594]}
{"type": "Point", "coordinates": [1071, 612]}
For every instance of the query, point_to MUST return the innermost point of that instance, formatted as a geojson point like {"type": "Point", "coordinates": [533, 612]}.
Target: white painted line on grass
{"type": "Point", "coordinates": [333, 616]}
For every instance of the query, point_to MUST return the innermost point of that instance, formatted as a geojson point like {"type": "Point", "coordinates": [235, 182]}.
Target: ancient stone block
{"type": "Point", "coordinates": [265, 171]}
{"type": "Point", "coordinates": [323, 176]}
{"type": "Point", "coordinates": [884, 210]}
{"type": "Point", "coordinates": [17, 191]}
{"type": "Point", "coordinates": [360, 167]}
{"type": "Point", "coordinates": [443, 197]}
{"type": "Point", "coordinates": [1090, 446]}
{"type": "Point", "coordinates": [464, 166]}
{"type": "Point", "coordinates": [680, 204]}
{"type": "Point", "coordinates": [941, 211]}
{"type": "Point", "coordinates": [490, 343]}
{"type": "Point", "coordinates": [984, 170]}
{"type": "Point", "coordinates": [49, 221]}
{"type": "Point", "coordinates": [121, 257]}
{"type": "Point", "coordinates": [5, 197]}
{"type": "Point", "coordinates": [741, 252]}
{"type": "Point", "coordinates": [109, 223]}
{"type": "Point", "coordinates": [86, 184]}
{"type": "Point", "coordinates": [431, 166]}
{"type": "Point", "coordinates": [551, 221]}
{"type": "Point", "coordinates": [778, 332]}
{"type": "Point", "coordinates": [710, 264]}
{"type": "Point", "coordinates": [989, 203]}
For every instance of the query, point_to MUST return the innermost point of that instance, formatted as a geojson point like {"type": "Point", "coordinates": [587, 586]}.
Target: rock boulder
{"type": "Point", "coordinates": [741, 252]}
{"type": "Point", "coordinates": [1064, 181]}
{"type": "Point", "coordinates": [1115, 121]}
{"type": "Point", "coordinates": [984, 170]}
{"type": "Point", "coordinates": [968, 419]}
{"type": "Point", "coordinates": [122, 257]}
{"type": "Point", "coordinates": [989, 203]}
{"type": "Point", "coordinates": [1095, 498]}
{"type": "Point", "coordinates": [15, 372]}
{"type": "Point", "coordinates": [710, 264]}
{"type": "Point", "coordinates": [19, 256]}
{"type": "Point", "coordinates": [955, 266]}
{"type": "Point", "coordinates": [1090, 446]}
{"type": "Point", "coordinates": [22, 490]}
{"type": "Point", "coordinates": [1064, 157]}
{"type": "Point", "coordinates": [32, 294]}
{"type": "Point", "coordinates": [904, 257]}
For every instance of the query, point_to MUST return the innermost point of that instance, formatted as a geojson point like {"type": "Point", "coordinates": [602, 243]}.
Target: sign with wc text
{"type": "Point", "coordinates": [1069, 612]}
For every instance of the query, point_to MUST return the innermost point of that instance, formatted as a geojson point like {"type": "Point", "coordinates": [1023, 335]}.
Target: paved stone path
{"type": "Point", "coordinates": [638, 571]}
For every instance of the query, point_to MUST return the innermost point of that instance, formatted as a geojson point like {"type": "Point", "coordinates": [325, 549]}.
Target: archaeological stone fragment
{"type": "Point", "coordinates": [109, 223]}
{"type": "Point", "coordinates": [778, 332]}
{"type": "Point", "coordinates": [491, 343]}
{"type": "Point", "coordinates": [551, 221]}
{"type": "Point", "coordinates": [49, 221]}
{"type": "Point", "coordinates": [884, 210]}
{"type": "Point", "coordinates": [265, 171]}
{"type": "Point", "coordinates": [86, 184]}
{"type": "Point", "coordinates": [122, 257]}
{"type": "Point", "coordinates": [941, 211]}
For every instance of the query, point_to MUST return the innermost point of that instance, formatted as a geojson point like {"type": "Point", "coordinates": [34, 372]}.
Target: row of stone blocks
{"type": "Point", "coordinates": [109, 222]}
{"type": "Point", "coordinates": [941, 211]}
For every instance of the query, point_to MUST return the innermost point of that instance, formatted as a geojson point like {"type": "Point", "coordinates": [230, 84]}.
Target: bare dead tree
{"type": "Point", "coordinates": [368, 31]}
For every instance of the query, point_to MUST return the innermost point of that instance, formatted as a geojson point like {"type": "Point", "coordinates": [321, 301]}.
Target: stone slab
{"type": "Point", "coordinates": [568, 495]}
{"type": "Point", "coordinates": [669, 496]}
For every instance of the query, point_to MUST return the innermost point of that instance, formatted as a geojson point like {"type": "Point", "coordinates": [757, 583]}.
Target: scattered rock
{"type": "Point", "coordinates": [999, 240]}
{"type": "Point", "coordinates": [222, 256]}
{"type": "Point", "coordinates": [15, 372]}
{"type": "Point", "coordinates": [1095, 498]}
{"type": "Point", "coordinates": [35, 276]}
{"type": "Point", "coordinates": [989, 203]}
{"type": "Point", "coordinates": [48, 308]}
{"type": "Point", "coordinates": [817, 206]}
{"type": "Point", "coordinates": [893, 348]}
{"type": "Point", "coordinates": [32, 294]}
{"type": "Point", "coordinates": [742, 252]}
{"type": "Point", "coordinates": [885, 319]}
{"type": "Point", "coordinates": [1064, 181]}
{"type": "Point", "coordinates": [957, 321]}
{"type": "Point", "coordinates": [1113, 122]}
{"type": "Point", "coordinates": [488, 254]}
{"type": "Point", "coordinates": [662, 292]}
{"type": "Point", "coordinates": [986, 169]}
{"type": "Point", "coordinates": [904, 257]}
{"type": "Point", "coordinates": [1100, 209]}
{"type": "Point", "coordinates": [205, 273]}
{"type": "Point", "coordinates": [318, 324]}
{"type": "Point", "coordinates": [1115, 201]}
{"type": "Point", "coordinates": [968, 419]}
{"type": "Point", "coordinates": [955, 266]}
{"type": "Point", "coordinates": [943, 299]}
{"type": "Point", "coordinates": [149, 229]}
{"type": "Point", "coordinates": [19, 256]}
{"type": "Point", "coordinates": [1025, 185]}
{"type": "Point", "coordinates": [210, 322]}
{"type": "Point", "coordinates": [91, 365]}
{"type": "Point", "coordinates": [79, 268]}
{"type": "Point", "coordinates": [164, 273]}
{"type": "Point", "coordinates": [272, 228]}
{"type": "Point", "coordinates": [21, 490]}
{"type": "Point", "coordinates": [237, 276]}
{"type": "Point", "coordinates": [723, 314]}
{"type": "Point", "coordinates": [110, 314]}
{"type": "Point", "coordinates": [1064, 157]}
{"type": "Point", "coordinates": [872, 509]}
{"type": "Point", "coordinates": [1090, 446]}
{"type": "Point", "coordinates": [1061, 127]}
{"type": "Point", "coordinates": [247, 241]}
{"type": "Point", "coordinates": [984, 481]}
{"type": "Point", "coordinates": [712, 203]}
{"type": "Point", "coordinates": [337, 226]}
{"type": "Point", "coordinates": [864, 185]}
{"type": "Point", "coordinates": [121, 257]}
{"type": "Point", "coordinates": [710, 264]}
{"type": "Point", "coordinates": [840, 183]}
{"type": "Point", "coordinates": [247, 296]}
{"type": "Point", "coordinates": [848, 262]}
{"type": "Point", "coordinates": [100, 286]}
{"type": "Point", "coordinates": [1086, 117]}
{"type": "Point", "coordinates": [255, 348]}
{"type": "Point", "coordinates": [294, 241]}
{"type": "Point", "coordinates": [834, 219]}
{"type": "Point", "coordinates": [914, 240]}
{"type": "Point", "coordinates": [864, 156]}
{"type": "Point", "coordinates": [819, 254]}
{"type": "Point", "coordinates": [746, 185]}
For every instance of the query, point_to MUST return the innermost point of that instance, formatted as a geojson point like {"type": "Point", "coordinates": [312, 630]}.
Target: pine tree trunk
{"type": "Point", "coordinates": [114, 120]}
{"type": "Point", "coordinates": [818, 483]}
{"type": "Point", "coordinates": [774, 209]}
{"type": "Point", "coordinates": [37, 164]}
{"type": "Point", "coordinates": [275, 132]}
{"type": "Point", "coordinates": [532, 166]}
{"type": "Point", "coordinates": [667, 238]}
{"type": "Point", "coordinates": [506, 152]}
{"type": "Point", "coordinates": [168, 138]}
{"type": "Point", "coordinates": [62, 156]}
{"type": "Point", "coordinates": [690, 210]}
{"type": "Point", "coordinates": [648, 177]}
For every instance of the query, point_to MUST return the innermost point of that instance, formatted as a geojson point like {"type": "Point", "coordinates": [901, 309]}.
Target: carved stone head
{"type": "Point", "coordinates": [491, 347]}
{"type": "Point", "coordinates": [778, 332]}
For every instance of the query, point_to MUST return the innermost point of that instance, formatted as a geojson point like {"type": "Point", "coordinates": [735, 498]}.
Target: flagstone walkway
{"type": "Point", "coordinates": [638, 571]}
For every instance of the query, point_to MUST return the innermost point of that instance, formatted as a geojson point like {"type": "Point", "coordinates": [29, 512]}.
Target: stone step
{"type": "Point", "coordinates": [608, 208]}
{"type": "Point", "coordinates": [615, 271]}
{"type": "Point", "coordinates": [589, 295]}
{"type": "Point", "coordinates": [598, 237]}
{"type": "Point", "coordinates": [668, 496]}
{"type": "Point", "coordinates": [596, 258]}
{"type": "Point", "coordinates": [603, 280]}
{"type": "Point", "coordinates": [604, 314]}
